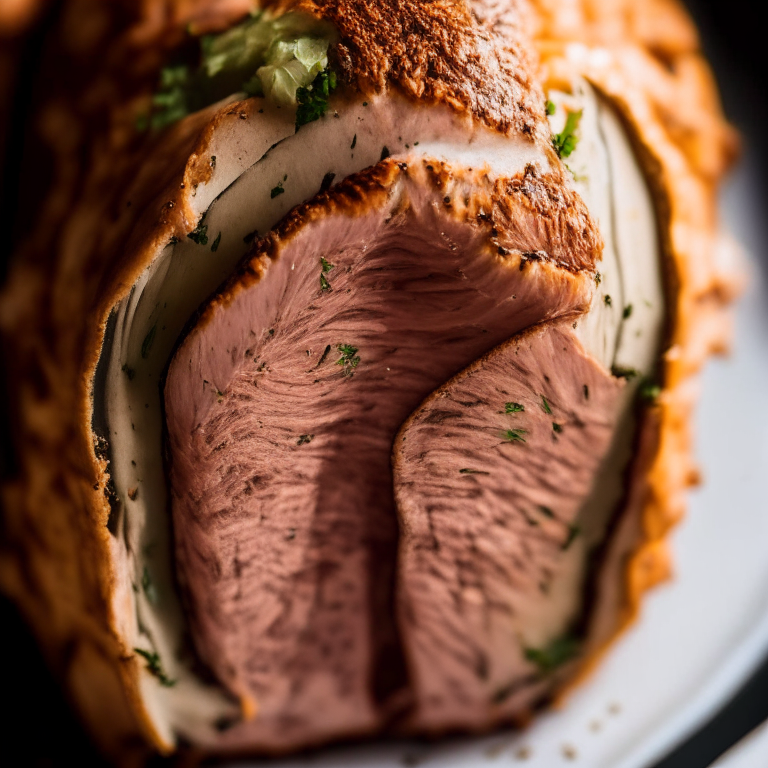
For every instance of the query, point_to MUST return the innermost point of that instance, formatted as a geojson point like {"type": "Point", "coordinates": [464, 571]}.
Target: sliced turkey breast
{"type": "Point", "coordinates": [371, 359]}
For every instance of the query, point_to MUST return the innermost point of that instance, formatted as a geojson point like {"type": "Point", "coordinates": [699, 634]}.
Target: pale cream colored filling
{"type": "Point", "coordinates": [610, 181]}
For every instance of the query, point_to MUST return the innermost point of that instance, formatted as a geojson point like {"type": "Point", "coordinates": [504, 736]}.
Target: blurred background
{"type": "Point", "coordinates": [37, 728]}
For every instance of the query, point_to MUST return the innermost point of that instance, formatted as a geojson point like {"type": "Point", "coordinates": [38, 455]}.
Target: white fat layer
{"type": "Point", "coordinates": [609, 179]}
{"type": "Point", "coordinates": [254, 158]}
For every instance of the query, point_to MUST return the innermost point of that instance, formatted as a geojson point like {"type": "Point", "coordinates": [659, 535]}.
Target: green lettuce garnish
{"type": "Point", "coordinates": [284, 59]}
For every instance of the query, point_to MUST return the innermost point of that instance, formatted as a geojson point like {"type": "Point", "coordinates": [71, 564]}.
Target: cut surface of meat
{"type": "Point", "coordinates": [282, 405]}
{"type": "Point", "coordinates": [490, 473]}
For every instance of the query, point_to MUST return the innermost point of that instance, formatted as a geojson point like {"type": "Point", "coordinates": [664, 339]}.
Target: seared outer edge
{"type": "Point", "coordinates": [99, 225]}
{"type": "Point", "coordinates": [438, 52]}
{"type": "Point", "coordinates": [645, 58]}
{"type": "Point", "coordinates": [565, 232]}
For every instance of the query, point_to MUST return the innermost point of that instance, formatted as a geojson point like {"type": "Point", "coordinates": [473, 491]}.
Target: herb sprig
{"type": "Point", "coordinates": [312, 101]}
{"type": "Point", "coordinates": [349, 359]}
{"type": "Point", "coordinates": [565, 141]}
{"type": "Point", "coordinates": [155, 667]}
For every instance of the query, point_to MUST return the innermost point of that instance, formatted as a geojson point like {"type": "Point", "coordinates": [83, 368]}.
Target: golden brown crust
{"type": "Point", "coordinates": [437, 53]}
{"type": "Point", "coordinates": [515, 213]}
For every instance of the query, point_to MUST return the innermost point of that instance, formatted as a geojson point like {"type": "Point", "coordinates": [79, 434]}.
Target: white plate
{"type": "Point", "coordinates": [700, 635]}
{"type": "Point", "coordinates": [750, 752]}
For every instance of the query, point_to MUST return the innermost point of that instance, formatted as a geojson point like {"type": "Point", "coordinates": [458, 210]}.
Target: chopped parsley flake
{"type": "Point", "coordinates": [213, 161]}
{"type": "Point", "coordinates": [513, 408]}
{"type": "Point", "coordinates": [546, 511]}
{"type": "Point", "coordinates": [216, 242]}
{"type": "Point", "coordinates": [627, 311]}
{"type": "Point", "coordinates": [550, 108]}
{"type": "Point", "coordinates": [349, 359]}
{"type": "Point", "coordinates": [149, 339]}
{"type": "Point", "coordinates": [278, 190]}
{"type": "Point", "coordinates": [586, 392]}
{"type": "Point", "coordinates": [199, 234]}
{"type": "Point", "coordinates": [515, 435]}
{"type": "Point", "coordinates": [354, 142]}
{"type": "Point", "coordinates": [622, 372]}
{"type": "Point", "coordinates": [649, 391]}
{"type": "Point", "coordinates": [303, 439]}
{"type": "Point", "coordinates": [565, 141]}
{"type": "Point", "coordinates": [473, 472]}
{"type": "Point", "coordinates": [607, 300]}
{"type": "Point", "coordinates": [148, 586]}
{"type": "Point", "coordinates": [313, 100]}
{"type": "Point", "coordinates": [549, 658]}
{"type": "Point", "coordinates": [598, 278]}
{"type": "Point", "coordinates": [155, 668]}
{"type": "Point", "coordinates": [325, 266]}
{"type": "Point", "coordinates": [557, 427]}
{"type": "Point", "coordinates": [545, 405]}
{"type": "Point", "coordinates": [573, 532]}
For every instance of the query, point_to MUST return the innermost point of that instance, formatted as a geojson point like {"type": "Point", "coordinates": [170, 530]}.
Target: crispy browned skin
{"type": "Point", "coordinates": [75, 265]}
{"type": "Point", "coordinates": [436, 52]}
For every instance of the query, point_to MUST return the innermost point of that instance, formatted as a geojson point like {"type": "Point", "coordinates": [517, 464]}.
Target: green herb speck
{"type": "Point", "coordinates": [555, 654]}
{"type": "Point", "coordinates": [278, 190]}
{"type": "Point", "coordinates": [607, 300]}
{"type": "Point", "coordinates": [149, 339]}
{"type": "Point", "coordinates": [303, 439]}
{"type": "Point", "coordinates": [513, 408]}
{"type": "Point", "coordinates": [557, 427]}
{"type": "Point", "coordinates": [565, 141]}
{"type": "Point", "coordinates": [354, 142]}
{"type": "Point", "coordinates": [349, 359]}
{"type": "Point", "coordinates": [623, 372]}
{"type": "Point", "coordinates": [515, 435]}
{"type": "Point", "coordinates": [155, 668]}
{"type": "Point", "coordinates": [545, 405]}
{"type": "Point", "coordinates": [649, 391]}
{"type": "Point", "coordinates": [573, 532]}
{"type": "Point", "coordinates": [199, 234]}
{"type": "Point", "coordinates": [148, 586]}
{"type": "Point", "coordinates": [586, 392]}
{"type": "Point", "coordinates": [627, 311]}
{"type": "Point", "coordinates": [550, 108]}
{"type": "Point", "coordinates": [312, 101]}
{"type": "Point", "coordinates": [215, 246]}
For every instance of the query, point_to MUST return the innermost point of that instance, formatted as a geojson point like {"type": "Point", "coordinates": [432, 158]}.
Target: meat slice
{"type": "Point", "coordinates": [489, 475]}
{"type": "Point", "coordinates": [282, 404]}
